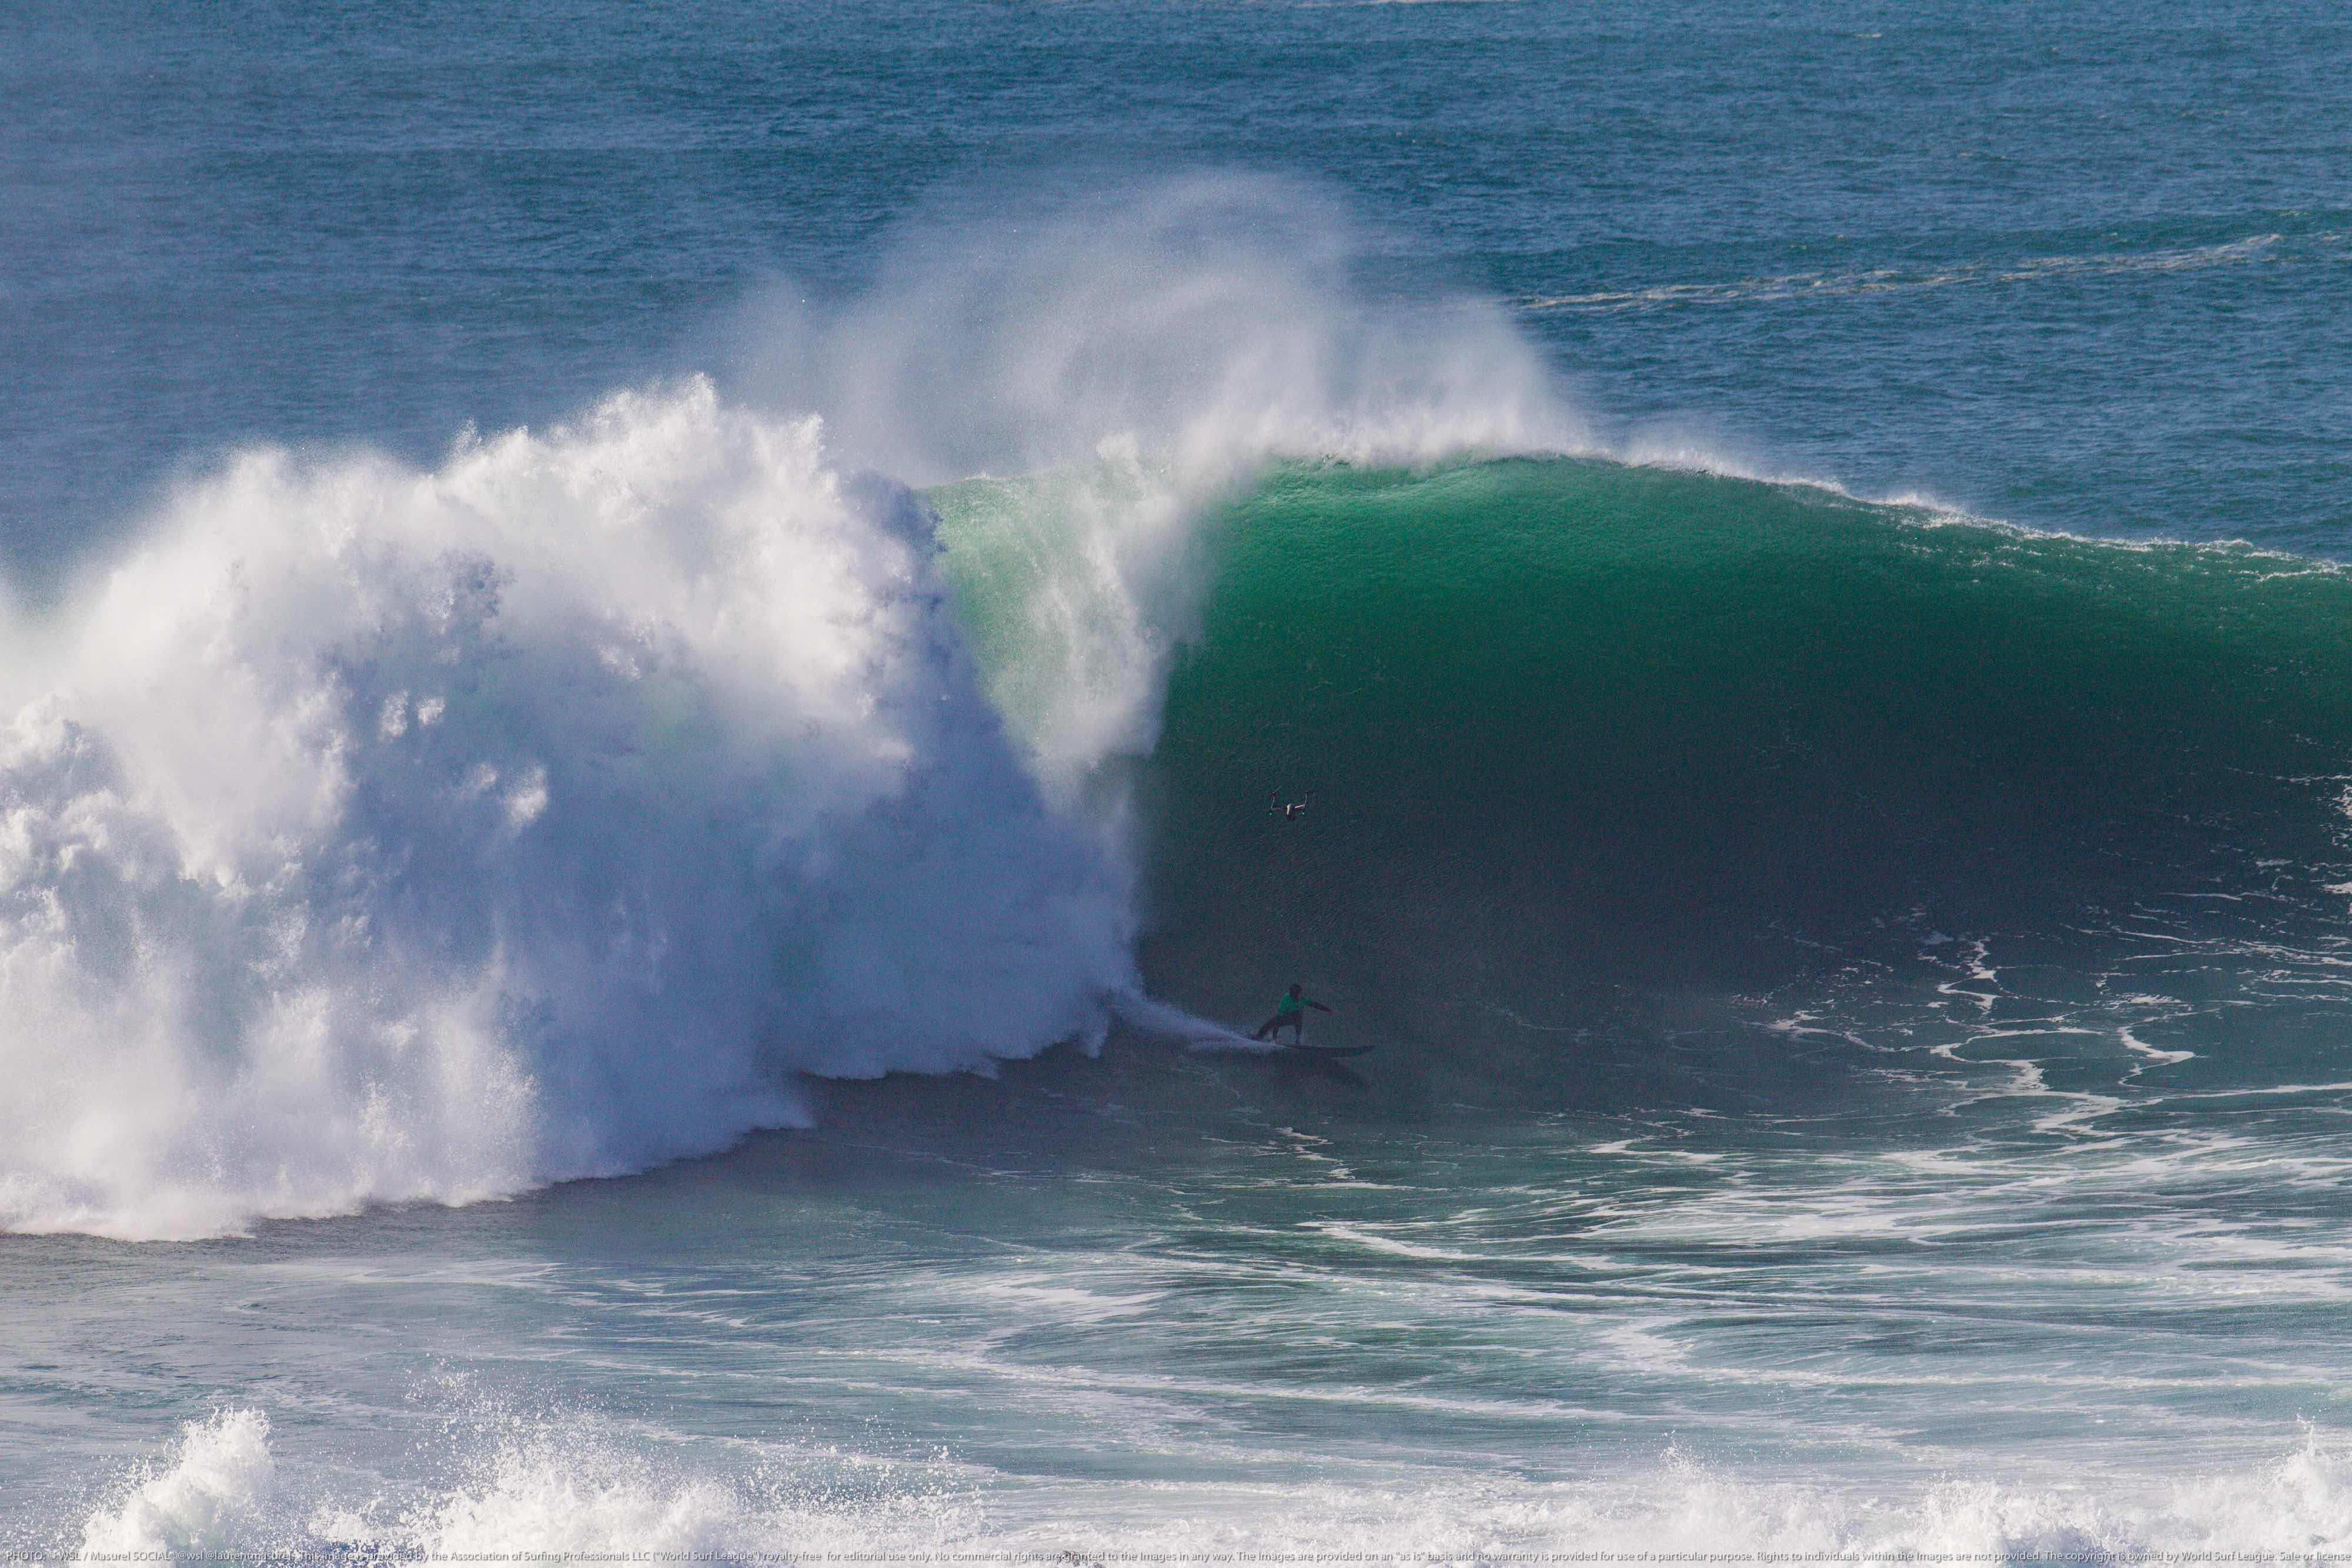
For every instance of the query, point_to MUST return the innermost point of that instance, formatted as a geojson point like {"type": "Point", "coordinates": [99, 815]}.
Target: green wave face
{"type": "Point", "coordinates": [1568, 724]}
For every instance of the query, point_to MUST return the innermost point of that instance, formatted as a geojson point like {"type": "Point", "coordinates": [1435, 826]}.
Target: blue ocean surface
{"type": "Point", "coordinates": [676, 682]}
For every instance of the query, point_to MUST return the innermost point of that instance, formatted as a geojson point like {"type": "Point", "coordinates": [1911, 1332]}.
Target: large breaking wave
{"type": "Point", "coordinates": [375, 833]}
{"type": "Point", "coordinates": [370, 833]}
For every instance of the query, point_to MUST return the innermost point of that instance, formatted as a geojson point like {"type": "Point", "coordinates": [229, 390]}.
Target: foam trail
{"type": "Point", "coordinates": [1165, 1019]}
{"type": "Point", "coordinates": [374, 834]}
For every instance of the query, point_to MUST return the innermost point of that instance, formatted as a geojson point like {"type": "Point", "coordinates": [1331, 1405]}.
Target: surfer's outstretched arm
{"type": "Point", "coordinates": [1318, 1007]}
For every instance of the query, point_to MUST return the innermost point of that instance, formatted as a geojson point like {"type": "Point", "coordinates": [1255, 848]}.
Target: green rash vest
{"type": "Point", "coordinates": [1288, 1005]}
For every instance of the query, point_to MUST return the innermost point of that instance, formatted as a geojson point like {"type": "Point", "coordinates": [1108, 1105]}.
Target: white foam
{"type": "Point", "coordinates": [372, 834]}
{"type": "Point", "coordinates": [217, 1494]}
{"type": "Point", "coordinates": [587, 1492]}
{"type": "Point", "coordinates": [2157, 1054]}
{"type": "Point", "coordinates": [592, 1502]}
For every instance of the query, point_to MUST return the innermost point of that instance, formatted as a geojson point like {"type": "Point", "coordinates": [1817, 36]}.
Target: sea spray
{"type": "Point", "coordinates": [218, 1494]}
{"type": "Point", "coordinates": [586, 1490]}
{"type": "Point", "coordinates": [1083, 378]}
{"type": "Point", "coordinates": [387, 835]}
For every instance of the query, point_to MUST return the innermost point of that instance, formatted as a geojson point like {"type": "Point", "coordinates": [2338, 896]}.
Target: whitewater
{"type": "Point", "coordinates": [661, 672]}
{"type": "Point", "coordinates": [391, 835]}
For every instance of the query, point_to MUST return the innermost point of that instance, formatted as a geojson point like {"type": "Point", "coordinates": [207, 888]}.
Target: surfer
{"type": "Point", "coordinates": [1287, 809]}
{"type": "Point", "coordinates": [1289, 1013]}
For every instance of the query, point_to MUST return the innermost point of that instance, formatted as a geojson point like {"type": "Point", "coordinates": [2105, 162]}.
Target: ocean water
{"type": "Point", "coordinates": [651, 663]}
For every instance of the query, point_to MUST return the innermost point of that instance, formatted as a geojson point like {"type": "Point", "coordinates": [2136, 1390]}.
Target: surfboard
{"type": "Point", "coordinates": [1330, 1050]}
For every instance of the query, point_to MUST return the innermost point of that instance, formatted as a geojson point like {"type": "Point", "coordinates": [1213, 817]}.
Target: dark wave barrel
{"type": "Point", "coordinates": [1568, 728]}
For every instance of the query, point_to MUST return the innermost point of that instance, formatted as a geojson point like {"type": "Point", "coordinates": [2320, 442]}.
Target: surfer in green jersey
{"type": "Point", "coordinates": [1289, 1013]}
